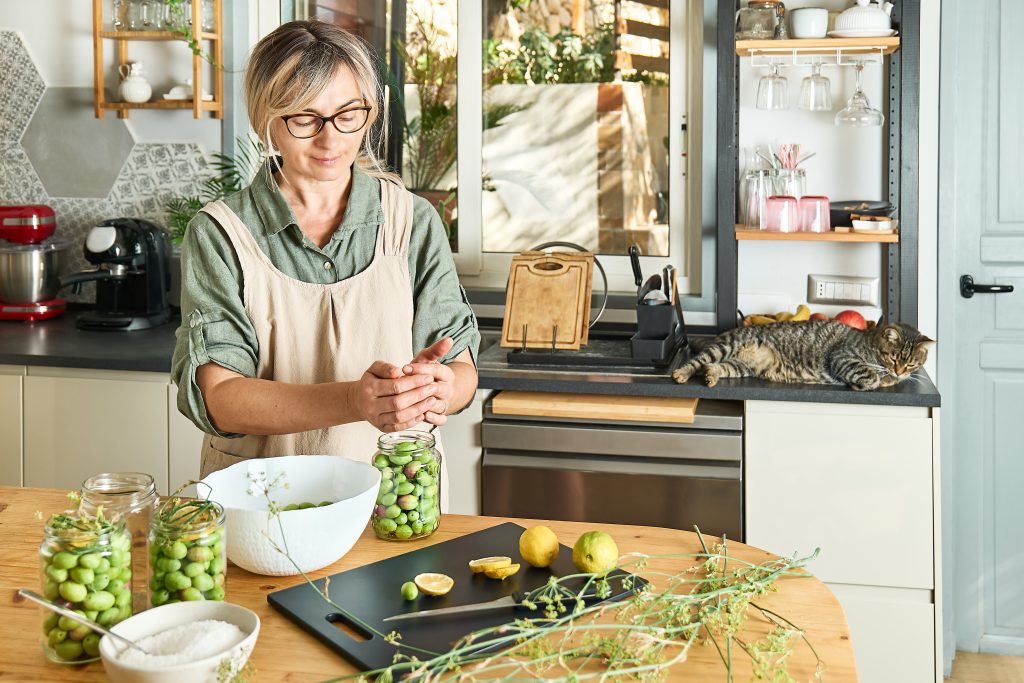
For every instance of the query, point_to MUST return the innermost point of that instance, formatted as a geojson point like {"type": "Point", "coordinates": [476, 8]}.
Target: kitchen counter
{"type": "Point", "coordinates": [58, 343]}
{"type": "Point", "coordinates": [497, 373]}
{"type": "Point", "coordinates": [285, 652]}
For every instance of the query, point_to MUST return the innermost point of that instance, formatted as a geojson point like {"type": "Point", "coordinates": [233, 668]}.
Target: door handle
{"type": "Point", "coordinates": [968, 288]}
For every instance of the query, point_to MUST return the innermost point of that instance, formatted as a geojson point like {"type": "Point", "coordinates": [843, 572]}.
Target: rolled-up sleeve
{"type": "Point", "coordinates": [214, 325]}
{"type": "Point", "coordinates": [442, 309]}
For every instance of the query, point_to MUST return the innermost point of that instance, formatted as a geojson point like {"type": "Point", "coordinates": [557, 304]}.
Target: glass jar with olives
{"type": "Point", "coordinates": [187, 551]}
{"type": "Point", "coordinates": [86, 566]}
{"type": "Point", "coordinates": [409, 500]}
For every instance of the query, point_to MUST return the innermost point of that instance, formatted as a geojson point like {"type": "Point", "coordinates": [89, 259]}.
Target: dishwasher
{"type": "Point", "coordinates": [621, 472]}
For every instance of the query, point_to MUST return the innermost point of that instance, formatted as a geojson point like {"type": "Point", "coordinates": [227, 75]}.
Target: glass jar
{"type": "Point", "coordinates": [132, 496]}
{"type": "Point", "coordinates": [758, 20]}
{"type": "Point", "coordinates": [187, 552]}
{"type": "Point", "coordinates": [85, 565]}
{"type": "Point", "coordinates": [207, 15]}
{"type": "Point", "coordinates": [119, 15]}
{"type": "Point", "coordinates": [409, 499]}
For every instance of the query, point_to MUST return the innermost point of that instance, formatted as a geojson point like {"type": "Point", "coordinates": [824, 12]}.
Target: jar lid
{"type": "Point", "coordinates": [49, 244]}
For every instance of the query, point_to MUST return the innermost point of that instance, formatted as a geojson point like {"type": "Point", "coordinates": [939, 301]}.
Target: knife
{"type": "Point", "coordinates": [509, 601]}
{"type": "Point", "coordinates": [634, 260]}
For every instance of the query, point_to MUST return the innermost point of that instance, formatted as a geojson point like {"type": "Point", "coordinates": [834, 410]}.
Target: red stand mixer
{"type": "Point", "coordinates": [30, 263]}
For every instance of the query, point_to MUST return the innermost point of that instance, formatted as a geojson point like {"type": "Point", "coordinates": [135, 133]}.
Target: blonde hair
{"type": "Point", "coordinates": [291, 66]}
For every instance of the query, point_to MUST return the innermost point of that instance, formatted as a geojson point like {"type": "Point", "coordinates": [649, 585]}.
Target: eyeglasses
{"type": "Point", "coordinates": [349, 120]}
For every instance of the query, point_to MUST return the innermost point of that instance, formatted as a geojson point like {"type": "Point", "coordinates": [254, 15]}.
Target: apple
{"type": "Point", "coordinates": [851, 318]}
{"type": "Point", "coordinates": [819, 316]}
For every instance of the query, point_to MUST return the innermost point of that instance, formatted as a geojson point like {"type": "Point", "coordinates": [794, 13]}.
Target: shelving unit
{"type": "Point", "coordinates": [766, 235]}
{"type": "Point", "coordinates": [213, 39]}
{"type": "Point", "coordinates": [817, 46]}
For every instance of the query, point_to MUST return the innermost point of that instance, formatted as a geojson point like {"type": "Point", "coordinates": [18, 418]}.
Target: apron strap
{"type": "Point", "coordinates": [396, 202]}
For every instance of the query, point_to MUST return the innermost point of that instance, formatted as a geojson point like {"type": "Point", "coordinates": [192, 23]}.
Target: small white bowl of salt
{"type": "Point", "coordinates": [203, 641]}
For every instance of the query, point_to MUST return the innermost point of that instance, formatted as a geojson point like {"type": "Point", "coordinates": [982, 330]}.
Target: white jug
{"type": "Point", "coordinates": [134, 87]}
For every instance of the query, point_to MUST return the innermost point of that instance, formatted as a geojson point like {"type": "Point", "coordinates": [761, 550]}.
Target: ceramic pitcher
{"type": "Point", "coordinates": [134, 86]}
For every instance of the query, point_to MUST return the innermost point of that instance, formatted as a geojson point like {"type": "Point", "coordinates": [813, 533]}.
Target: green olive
{"type": "Point", "coordinates": [176, 581]}
{"type": "Point", "coordinates": [56, 637]}
{"type": "Point", "coordinates": [401, 519]}
{"type": "Point", "coordinates": [391, 512]}
{"type": "Point", "coordinates": [216, 593]}
{"type": "Point", "coordinates": [400, 459]}
{"type": "Point", "coordinates": [417, 527]}
{"type": "Point", "coordinates": [100, 600]}
{"type": "Point", "coordinates": [64, 560]}
{"type": "Point", "coordinates": [175, 551]}
{"type": "Point", "coordinates": [403, 531]}
{"type": "Point", "coordinates": [56, 573]}
{"type": "Point", "coordinates": [191, 593]}
{"type": "Point", "coordinates": [124, 598]}
{"type": "Point", "coordinates": [91, 645]}
{"type": "Point", "coordinates": [385, 525]}
{"type": "Point", "coordinates": [200, 554]}
{"type": "Point", "coordinates": [157, 597]}
{"type": "Point", "coordinates": [202, 582]}
{"type": "Point", "coordinates": [404, 446]}
{"type": "Point", "coordinates": [166, 564]}
{"type": "Point", "coordinates": [100, 582]}
{"type": "Point", "coordinates": [388, 499]}
{"type": "Point", "coordinates": [290, 506]}
{"type": "Point", "coordinates": [107, 616]}
{"type": "Point", "coordinates": [90, 561]}
{"type": "Point", "coordinates": [380, 460]}
{"type": "Point", "coordinates": [73, 592]}
{"type": "Point", "coordinates": [50, 621]}
{"type": "Point", "coordinates": [69, 650]}
{"type": "Point", "coordinates": [404, 488]}
{"type": "Point", "coordinates": [193, 569]}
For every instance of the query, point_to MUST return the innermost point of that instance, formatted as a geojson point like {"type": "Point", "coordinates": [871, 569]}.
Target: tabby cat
{"type": "Point", "coordinates": [817, 352]}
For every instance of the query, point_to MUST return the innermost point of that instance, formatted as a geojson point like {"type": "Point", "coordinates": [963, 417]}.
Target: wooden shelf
{"type": "Point", "coordinates": [817, 46]}
{"type": "Point", "coordinates": [765, 235]}
{"type": "Point", "coordinates": [154, 35]}
{"type": "Point", "coordinates": [207, 105]}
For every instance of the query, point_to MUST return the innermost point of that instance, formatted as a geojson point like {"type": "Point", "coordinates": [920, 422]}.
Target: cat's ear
{"type": "Point", "coordinates": [891, 333]}
{"type": "Point", "coordinates": [926, 342]}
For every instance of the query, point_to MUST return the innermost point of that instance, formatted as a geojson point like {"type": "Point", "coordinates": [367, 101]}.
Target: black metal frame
{"type": "Point", "coordinates": [900, 260]}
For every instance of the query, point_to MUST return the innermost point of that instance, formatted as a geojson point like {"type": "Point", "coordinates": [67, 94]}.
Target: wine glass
{"type": "Point", "coordinates": [773, 90]}
{"type": "Point", "coordinates": [858, 112]}
{"type": "Point", "coordinates": [816, 91]}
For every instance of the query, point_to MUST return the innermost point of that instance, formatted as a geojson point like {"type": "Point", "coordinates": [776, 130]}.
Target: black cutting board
{"type": "Point", "coordinates": [373, 592]}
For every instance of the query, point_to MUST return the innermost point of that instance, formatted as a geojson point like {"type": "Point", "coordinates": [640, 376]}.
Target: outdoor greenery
{"type": "Point", "coordinates": [564, 57]}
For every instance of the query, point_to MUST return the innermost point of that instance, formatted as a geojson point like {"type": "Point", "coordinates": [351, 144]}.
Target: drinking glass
{"type": "Point", "coordinates": [773, 90]}
{"type": "Point", "coordinates": [791, 182]}
{"type": "Point", "coordinates": [816, 91]}
{"type": "Point", "coordinates": [814, 214]}
{"type": "Point", "coordinates": [135, 15]}
{"type": "Point", "coordinates": [758, 185]}
{"type": "Point", "coordinates": [858, 112]}
{"type": "Point", "coordinates": [120, 15]}
{"type": "Point", "coordinates": [781, 214]}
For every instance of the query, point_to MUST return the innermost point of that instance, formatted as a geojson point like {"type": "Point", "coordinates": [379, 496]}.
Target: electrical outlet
{"type": "Point", "coordinates": [842, 289]}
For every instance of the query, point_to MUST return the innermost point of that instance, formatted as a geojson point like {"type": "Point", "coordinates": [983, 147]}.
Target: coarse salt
{"type": "Point", "coordinates": [184, 644]}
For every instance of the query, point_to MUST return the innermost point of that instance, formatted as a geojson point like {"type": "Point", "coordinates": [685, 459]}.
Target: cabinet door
{"type": "Point", "coordinates": [461, 439]}
{"type": "Point", "coordinates": [185, 443]}
{"type": "Point", "coordinates": [11, 450]}
{"type": "Point", "coordinates": [893, 632]}
{"type": "Point", "coordinates": [82, 422]}
{"type": "Point", "coordinates": [855, 480]}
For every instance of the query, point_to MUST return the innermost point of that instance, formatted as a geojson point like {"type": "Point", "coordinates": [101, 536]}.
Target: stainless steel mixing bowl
{"type": "Point", "coordinates": [31, 273]}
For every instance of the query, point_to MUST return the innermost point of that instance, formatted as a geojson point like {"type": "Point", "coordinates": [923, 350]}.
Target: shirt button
{"type": "Point", "coordinates": [328, 265]}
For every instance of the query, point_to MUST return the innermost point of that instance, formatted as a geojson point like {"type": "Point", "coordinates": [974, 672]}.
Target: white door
{"type": "Point", "coordinates": [981, 338]}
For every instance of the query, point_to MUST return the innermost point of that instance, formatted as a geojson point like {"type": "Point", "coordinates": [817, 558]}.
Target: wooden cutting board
{"type": "Point", "coordinates": [596, 406]}
{"type": "Point", "coordinates": [547, 301]}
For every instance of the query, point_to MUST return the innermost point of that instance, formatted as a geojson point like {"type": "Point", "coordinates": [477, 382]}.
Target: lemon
{"type": "Point", "coordinates": [485, 563]}
{"type": "Point", "coordinates": [502, 572]}
{"type": "Point", "coordinates": [595, 552]}
{"type": "Point", "coordinates": [434, 584]}
{"type": "Point", "coordinates": [539, 546]}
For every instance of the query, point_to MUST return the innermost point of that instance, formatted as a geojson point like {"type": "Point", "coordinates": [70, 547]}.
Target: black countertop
{"type": "Point", "coordinates": [497, 373]}
{"type": "Point", "coordinates": [58, 343]}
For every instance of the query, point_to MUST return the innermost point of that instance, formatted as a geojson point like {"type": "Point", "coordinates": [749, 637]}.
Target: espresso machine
{"type": "Point", "coordinates": [132, 275]}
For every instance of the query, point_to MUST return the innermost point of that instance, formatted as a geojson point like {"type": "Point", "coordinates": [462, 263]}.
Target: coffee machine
{"type": "Point", "coordinates": [132, 275]}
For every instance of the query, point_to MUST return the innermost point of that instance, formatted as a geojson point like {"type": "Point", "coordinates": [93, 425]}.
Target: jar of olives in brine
{"type": "Point", "coordinates": [187, 552]}
{"type": "Point", "coordinates": [409, 499]}
{"type": "Point", "coordinates": [86, 566]}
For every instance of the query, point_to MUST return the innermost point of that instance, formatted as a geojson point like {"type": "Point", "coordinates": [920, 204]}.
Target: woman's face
{"type": "Point", "coordinates": [329, 154]}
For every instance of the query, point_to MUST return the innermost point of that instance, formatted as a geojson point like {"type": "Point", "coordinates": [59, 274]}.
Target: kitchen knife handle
{"type": "Point", "coordinates": [634, 260]}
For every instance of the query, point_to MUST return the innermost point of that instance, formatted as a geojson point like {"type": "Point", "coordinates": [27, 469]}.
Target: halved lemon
{"type": "Point", "coordinates": [434, 584]}
{"type": "Point", "coordinates": [502, 572]}
{"type": "Point", "coordinates": [486, 563]}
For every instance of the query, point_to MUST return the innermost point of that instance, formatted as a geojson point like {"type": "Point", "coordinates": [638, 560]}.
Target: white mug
{"type": "Point", "coordinates": [809, 22]}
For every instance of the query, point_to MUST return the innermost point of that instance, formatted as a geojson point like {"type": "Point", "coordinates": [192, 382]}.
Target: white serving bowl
{"type": "Point", "coordinates": [166, 617]}
{"type": "Point", "coordinates": [316, 536]}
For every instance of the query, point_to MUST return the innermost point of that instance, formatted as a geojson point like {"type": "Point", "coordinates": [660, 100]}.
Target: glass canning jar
{"type": "Point", "coordinates": [187, 551]}
{"type": "Point", "coordinates": [409, 499]}
{"type": "Point", "coordinates": [132, 496]}
{"type": "Point", "coordinates": [85, 565]}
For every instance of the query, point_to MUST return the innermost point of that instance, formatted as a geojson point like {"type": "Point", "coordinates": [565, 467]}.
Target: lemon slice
{"type": "Point", "coordinates": [434, 584]}
{"type": "Point", "coordinates": [502, 572]}
{"type": "Point", "coordinates": [486, 563]}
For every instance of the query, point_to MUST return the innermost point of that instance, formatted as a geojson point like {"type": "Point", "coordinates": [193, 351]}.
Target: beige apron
{"type": "Point", "coordinates": [309, 333]}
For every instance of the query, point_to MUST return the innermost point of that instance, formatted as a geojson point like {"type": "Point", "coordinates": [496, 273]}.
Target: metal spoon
{"type": "Point", "coordinates": [63, 611]}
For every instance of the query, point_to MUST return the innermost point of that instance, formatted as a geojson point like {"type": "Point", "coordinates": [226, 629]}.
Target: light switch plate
{"type": "Point", "coordinates": [842, 289]}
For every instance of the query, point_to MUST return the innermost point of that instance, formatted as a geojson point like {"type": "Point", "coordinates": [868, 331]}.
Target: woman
{"type": "Point", "coordinates": [306, 296]}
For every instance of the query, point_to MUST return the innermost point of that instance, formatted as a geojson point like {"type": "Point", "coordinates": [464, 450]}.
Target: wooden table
{"type": "Point", "coordinates": [286, 653]}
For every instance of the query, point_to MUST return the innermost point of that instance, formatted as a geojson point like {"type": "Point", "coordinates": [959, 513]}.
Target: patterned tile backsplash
{"type": "Point", "coordinates": [144, 178]}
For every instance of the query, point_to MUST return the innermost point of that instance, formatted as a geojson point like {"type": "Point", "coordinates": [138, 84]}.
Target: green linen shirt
{"type": "Point", "coordinates": [214, 325]}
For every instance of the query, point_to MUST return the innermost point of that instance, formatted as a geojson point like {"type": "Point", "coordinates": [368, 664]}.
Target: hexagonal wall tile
{"type": "Point", "coordinates": [19, 183]}
{"type": "Point", "coordinates": [74, 153]}
{"type": "Point", "coordinates": [155, 173]}
{"type": "Point", "coordinates": [75, 217]}
{"type": "Point", "coordinates": [21, 85]}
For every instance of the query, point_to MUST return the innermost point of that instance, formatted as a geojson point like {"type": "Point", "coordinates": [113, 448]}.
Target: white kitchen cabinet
{"type": "Point", "coordinates": [462, 448]}
{"type": "Point", "coordinates": [860, 483]}
{"type": "Point", "coordinates": [184, 443]}
{"type": "Point", "coordinates": [11, 435]}
{"type": "Point", "coordinates": [82, 422]}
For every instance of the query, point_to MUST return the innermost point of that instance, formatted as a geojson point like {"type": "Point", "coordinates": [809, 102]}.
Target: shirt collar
{"type": "Point", "coordinates": [363, 209]}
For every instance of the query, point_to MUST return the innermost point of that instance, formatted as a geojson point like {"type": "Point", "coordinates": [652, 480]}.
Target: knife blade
{"type": "Point", "coordinates": [514, 600]}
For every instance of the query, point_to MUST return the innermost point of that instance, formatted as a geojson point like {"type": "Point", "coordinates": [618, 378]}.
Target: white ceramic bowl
{"type": "Point", "coordinates": [316, 536]}
{"type": "Point", "coordinates": [165, 617]}
{"type": "Point", "coordinates": [863, 18]}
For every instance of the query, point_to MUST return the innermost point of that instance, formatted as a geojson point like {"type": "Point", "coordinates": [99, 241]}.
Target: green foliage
{"type": "Point", "coordinates": [563, 57]}
{"type": "Point", "coordinates": [178, 22]}
{"type": "Point", "coordinates": [231, 174]}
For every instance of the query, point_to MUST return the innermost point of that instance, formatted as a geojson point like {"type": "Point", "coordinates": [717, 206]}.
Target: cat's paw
{"type": "Point", "coordinates": [712, 373]}
{"type": "Point", "coordinates": [682, 375]}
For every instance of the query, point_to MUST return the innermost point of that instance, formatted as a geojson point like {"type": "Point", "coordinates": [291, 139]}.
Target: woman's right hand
{"type": "Point", "coordinates": [390, 400]}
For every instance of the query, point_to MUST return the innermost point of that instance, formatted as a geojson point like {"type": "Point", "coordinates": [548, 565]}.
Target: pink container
{"type": "Point", "coordinates": [781, 214]}
{"type": "Point", "coordinates": [814, 214]}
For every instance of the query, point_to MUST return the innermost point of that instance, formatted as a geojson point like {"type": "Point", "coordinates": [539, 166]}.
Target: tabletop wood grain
{"type": "Point", "coordinates": [286, 653]}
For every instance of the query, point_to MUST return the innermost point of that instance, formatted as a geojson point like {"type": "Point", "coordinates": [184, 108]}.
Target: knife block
{"type": "Point", "coordinates": [656, 336]}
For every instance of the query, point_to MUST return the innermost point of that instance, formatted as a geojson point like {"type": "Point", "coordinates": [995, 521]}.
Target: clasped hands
{"type": "Point", "coordinates": [394, 398]}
